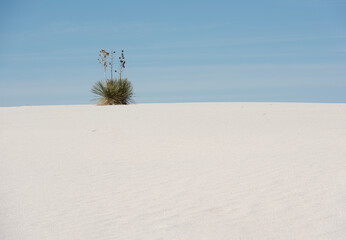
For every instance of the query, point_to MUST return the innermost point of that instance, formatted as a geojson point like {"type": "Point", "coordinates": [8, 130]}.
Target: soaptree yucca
{"type": "Point", "coordinates": [112, 92]}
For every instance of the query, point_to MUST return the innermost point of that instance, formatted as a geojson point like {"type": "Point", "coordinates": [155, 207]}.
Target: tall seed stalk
{"type": "Point", "coordinates": [103, 59]}
{"type": "Point", "coordinates": [111, 63]}
{"type": "Point", "coordinates": [121, 63]}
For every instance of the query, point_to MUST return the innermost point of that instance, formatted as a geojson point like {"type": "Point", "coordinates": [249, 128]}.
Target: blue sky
{"type": "Point", "coordinates": [177, 51]}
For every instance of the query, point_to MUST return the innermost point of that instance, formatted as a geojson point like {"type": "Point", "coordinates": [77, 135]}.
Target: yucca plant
{"type": "Point", "coordinates": [112, 92]}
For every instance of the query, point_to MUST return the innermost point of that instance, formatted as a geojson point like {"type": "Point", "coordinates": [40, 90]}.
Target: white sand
{"type": "Point", "coordinates": [218, 171]}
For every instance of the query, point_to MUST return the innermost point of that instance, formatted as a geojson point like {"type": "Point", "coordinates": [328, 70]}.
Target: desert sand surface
{"type": "Point", "coordinates": [191, 171]}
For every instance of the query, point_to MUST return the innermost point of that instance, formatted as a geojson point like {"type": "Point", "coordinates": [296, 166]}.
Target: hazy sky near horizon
{"type": "Point", "coordinates": [177, 51]}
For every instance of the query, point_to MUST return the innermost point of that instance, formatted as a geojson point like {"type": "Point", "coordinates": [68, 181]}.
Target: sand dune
{"type": "Point", "coordinates": [189, 171]}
